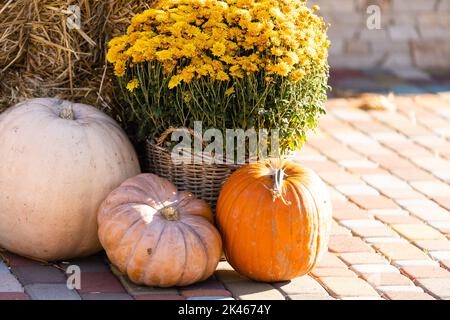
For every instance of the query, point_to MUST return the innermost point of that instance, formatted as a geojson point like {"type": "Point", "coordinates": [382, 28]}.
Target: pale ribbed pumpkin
{"type": "Point", "coordinates": [157, 235]}
{"type": "Point", "coordinates": [275, 219]}
{"type": "Point", "coordinates": [58, 162]}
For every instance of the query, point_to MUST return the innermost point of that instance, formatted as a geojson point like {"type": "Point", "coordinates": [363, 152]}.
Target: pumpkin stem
{"type": "Point", "coordinates": [277, 190]}
{"type": "Point", "coordinates": [170, 213]}
{"type": "Point", "coordinates": [67, 112]}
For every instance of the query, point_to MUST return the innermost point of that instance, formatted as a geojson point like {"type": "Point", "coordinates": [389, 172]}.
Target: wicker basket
{"type": "Point", "coordinates": [202, 179]}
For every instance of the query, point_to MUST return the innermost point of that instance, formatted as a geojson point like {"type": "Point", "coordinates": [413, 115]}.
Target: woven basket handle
{"type": "Point", "coordinates": [169, 131]}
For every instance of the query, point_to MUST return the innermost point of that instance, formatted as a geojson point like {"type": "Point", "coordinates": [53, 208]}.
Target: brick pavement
{"type": "Point", "coordinates": [389, 177]}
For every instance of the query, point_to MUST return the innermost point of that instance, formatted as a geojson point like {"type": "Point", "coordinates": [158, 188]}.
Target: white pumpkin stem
{"type": "Point", "coordinates": [67, 112]}
{"type": "Point", "coordinates": [277, 190]}
{"type": "Point", "coordinates": [170, 213]}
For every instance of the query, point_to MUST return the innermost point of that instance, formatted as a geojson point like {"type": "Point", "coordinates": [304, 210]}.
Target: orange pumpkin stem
{"type": "Point", "coordinates": [170, 213]}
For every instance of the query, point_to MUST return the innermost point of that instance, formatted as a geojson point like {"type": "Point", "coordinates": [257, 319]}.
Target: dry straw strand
{"type": "Point", "coordinates": [41, 56]}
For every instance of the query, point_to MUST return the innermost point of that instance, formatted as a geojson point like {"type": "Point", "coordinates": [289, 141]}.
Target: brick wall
{"type": "Point", "coordinates": [413, 33]}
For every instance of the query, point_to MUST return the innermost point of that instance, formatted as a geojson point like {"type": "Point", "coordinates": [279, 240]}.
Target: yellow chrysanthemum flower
{"type": "Point", "coordinates": [229, 91]}
{"type": "Point", "coordinates": [285, 36]}
{"type": "Point", "coordinates": [174, 81]}
{"type": "Point", "coordinates": [133, 84]}
{"type": "Point", "coordinates": [218, 49]}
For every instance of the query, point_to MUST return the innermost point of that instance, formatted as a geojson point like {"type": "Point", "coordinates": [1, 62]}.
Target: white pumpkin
{"type": "Point", "coordinates": [58, 162]}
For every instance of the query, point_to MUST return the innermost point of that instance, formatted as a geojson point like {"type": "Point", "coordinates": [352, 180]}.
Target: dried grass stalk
{"type": "Point", "coordinates": [41, 56]}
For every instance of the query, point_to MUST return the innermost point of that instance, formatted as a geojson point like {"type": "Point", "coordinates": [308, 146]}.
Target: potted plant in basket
{"type": "Point", "coordinates": [230, 64]}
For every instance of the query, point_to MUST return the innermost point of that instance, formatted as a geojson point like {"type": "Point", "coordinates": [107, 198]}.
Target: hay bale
{"type": "Point", "coordinates": [41, 56]}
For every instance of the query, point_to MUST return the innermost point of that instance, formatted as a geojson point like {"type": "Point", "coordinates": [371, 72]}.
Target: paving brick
{"type": "Point", "coordinates": [341, 203]}
{"type": "Point", "coordinates": [9, 283]}
{"type": "Point", "coordinates": [398, 219]}
{"type": "Point", "coordinates": [408, 296]}
{"type": "Point", "coordinates": [417, 232]}
{"type": "Point", "coordinates": [439, 287]}
{"type": "Point", "coordinates": [356, 189]}
{"type": "Point", "coordinates": [415, 263]}
{"type": "Point", "coordinates": [94, 263]}
{"type": "Point", "coordinates": [412, 175]}
{"type": "Point", "coordinates": [350, 214]}
{"type": "Point", "coordinates": [106, 296]}
{"type": "Point", "coordinates": [320, 166]}
{"type": "Point", "coordinates": [391, 162]}
{"type": "Point", "coordinates": [342, 244]}
{"type": "Point", "coordinates": [362, 298]}
{"type": "Point", "coordinates": [374, 202]}
{"type": "Point", "coordinates": [304, 285]}
{"type": "Point", "coordinates": [159, 297]}
{"type": "Point", "coordinates": [367, 223]}
{"type": "Point", "coordinates": [205, 293]}
{"type": "Point", "coordinates": [53, 291]}
{"type": "Point", "coordinates": [420, 272]}
{"type": "Point", "coordinates": [209, 284]}
{"type": "Point", "coordinates": [224, 265]}
{"type": "Point", "coordinates": [348, 287]}
{"type": "Point", "coordinates": [14, 260]}
{"type": "Point", "coordinates": [330, 260]}
{"type": "Point", "coordinates": [136, 290]}
{"type": "Point", "coordinates": [382, 181]}
{"type": "Point", "coordinates": [210, 298]}
{"type": "Point", "coordinates": [429, 212]}
{"type": "Point", "coordinates": [358, 164]}
{"type": "Point", "coordinates": [104, 282]}
{"type": "Point", "coordinates": [413, 289]}
{"type": "Point", "coordinates": [363, 258]}
{"type": "Point", "coordinates": [337, 230]}
{"type": "Point", "coordinates": [441, 226]}
{"type": "Point", "coordinates": [405, 193]}
{"type": "Point", "coordinates": [13, 296]}
{"type": "Point", "coordinates": [400, 251]}
{"type": "Point", "coordinates": [387, 212]}
{"type": "Point", "coordinates": [249, 290]}
{"type": "Point", "coordinates": [387, 279]}
{"type": "Point", "coordinates": [384, 240]}
{"type": "Point", "coordinates": [446, 264]}
{"type": "Point", "coordinates": [116, 271]}
{"type": "Point", "coordinates": [440, 255]}
{"type": "Point", "coordinates": [332, 272]}
{"type": "Point", "coordinates": [432, 188]}
{"type": "Point", "coordinates": [39, 274]}
{"type": "Point", "coordinates": [340, 177]}
{"type": "Point", "coordinates": [309, 297]}
{"type": "Point", "coordinates": [227, 276]}
{"type": "Point", "coordinates": [381, 232]}
{"type": "Point", "coordinates": [443, 201]}
{"type": "Point", "coordinates": [374, 268]}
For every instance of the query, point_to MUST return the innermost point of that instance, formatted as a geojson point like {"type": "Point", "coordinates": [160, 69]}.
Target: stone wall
{"type": "Point", "coordinates": [412, 34]}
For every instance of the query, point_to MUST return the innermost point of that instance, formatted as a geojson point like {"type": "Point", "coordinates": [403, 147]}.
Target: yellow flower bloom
{"type": "Point", "coordinates": [187, 74]}
{"type": "Point", "coordinates": [222, 76]}
{"type": "Point", "coordinates": [218, 49]}
{"type": "Point", "coordinates": [224, 39]}
{"type": "Point", "coordinates": [297, 75]}
{"type": "Point", "coordinates": [133, 84]}
{"type": "Point", "coordinates": [174, 81]}
{"type": "Point", "coordinates": [229, 91]}
{"type": "Point", "coordinates": [281, 69]}
{"type": "Point", "coordinates": [164, 55]}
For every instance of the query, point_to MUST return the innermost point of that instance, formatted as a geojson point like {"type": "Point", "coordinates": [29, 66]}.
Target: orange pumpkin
{"type": "Point", "coordinates": [157, 235]}
{"type": "Point", "coordinates": [275, 219]}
